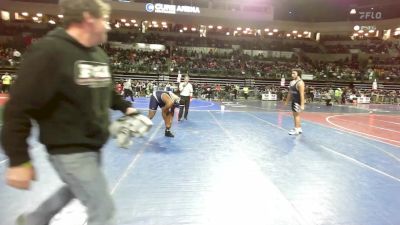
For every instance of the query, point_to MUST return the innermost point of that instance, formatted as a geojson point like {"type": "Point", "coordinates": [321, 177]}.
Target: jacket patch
{"type": "Point", "coordinates": [92, 74]}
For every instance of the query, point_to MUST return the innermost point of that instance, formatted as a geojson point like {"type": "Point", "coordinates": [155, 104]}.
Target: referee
{"type": "Point", "coordinates": [186, 90]}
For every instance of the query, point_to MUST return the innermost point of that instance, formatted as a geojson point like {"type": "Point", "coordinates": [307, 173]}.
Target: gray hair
{"type": "Point", "coordinates": [73, 10]}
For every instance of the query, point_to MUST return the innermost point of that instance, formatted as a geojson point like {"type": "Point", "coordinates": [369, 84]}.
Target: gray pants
{"type": "Point", "coordinates": [85, 181]}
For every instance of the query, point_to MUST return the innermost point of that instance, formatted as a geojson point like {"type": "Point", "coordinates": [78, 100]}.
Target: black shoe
{"type": "Point", "coordinates": [168, 133]}
{"type": "Point", "coordinates": [185, 118]}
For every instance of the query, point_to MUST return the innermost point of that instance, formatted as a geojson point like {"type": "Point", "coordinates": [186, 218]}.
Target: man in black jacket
{"type": "Point", "coordinates": [71, 108]}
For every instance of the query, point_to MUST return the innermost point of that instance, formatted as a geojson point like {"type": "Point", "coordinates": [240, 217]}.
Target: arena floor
{"type": "Point", "coordinates": [240, 167]}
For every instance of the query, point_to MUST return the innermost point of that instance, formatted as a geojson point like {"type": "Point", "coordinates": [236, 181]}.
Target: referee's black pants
{"type": "Point", "coordinates": [185, 106]}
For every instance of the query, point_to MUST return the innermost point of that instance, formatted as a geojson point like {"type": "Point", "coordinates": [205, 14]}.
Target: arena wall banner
{"type": "Point", "coordinates": [138, 46]}
{"type": "Point", "coordinates": [287, 55]}
{"type": "Point", "coordinates": [237, 47]}
{"type": "Point", "coordinates": [120, 45]}
{"type": "Point", "coordinates": [305, 76]}
{"type": "Point", "coordinates": [269, 54]}
{"type": "Point", "coordinates": [276, 54]}
{"type": "Point", "coordinates": [206, 50]}
{"type": "Point", "coordinates": [269, 97]}
{"type": "Point", "coordinates": [354, 51]}
{"type": "Point", "coordinates": [363, 100]}
{"type": "Point", "coordinates": [257, 52]}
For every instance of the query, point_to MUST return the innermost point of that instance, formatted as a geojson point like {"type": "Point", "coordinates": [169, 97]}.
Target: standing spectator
{"type": "Point", "coordinates": [16, 56]}
{"type": "Point", "coordinates": [344, 94]}
{"type": "Point", "coordinates": [118, 88]}
{"type": "Point", "coordinates": [6, 83]}
{"type": "Point", "coordinates": [338, 95]}
{"type": "Point", "coordinates": [208, 93]}
{"type": "Point", "coordinates": [128, 89]}
{"type": "Point", "coordinates": [218, 91]}
{"type": "Point", "coordinates": [236, 90]}
{"type": "Point", "coordinates": [246, 92]}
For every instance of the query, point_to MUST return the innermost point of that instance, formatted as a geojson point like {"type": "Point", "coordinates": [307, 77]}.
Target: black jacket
{"type": "Point", "coordinates": [67, 88]}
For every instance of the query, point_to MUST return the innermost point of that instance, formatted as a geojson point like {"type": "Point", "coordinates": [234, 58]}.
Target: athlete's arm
{"type": "Point", "coordinates": [300, 87]}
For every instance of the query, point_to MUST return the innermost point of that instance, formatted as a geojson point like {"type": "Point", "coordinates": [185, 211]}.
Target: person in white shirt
{"type": "Point", "coordinates": [186, 90]}
{"type": "Point", "coordinates": [16, 54]}
{"type": "Point", "coordinates": [128, 92]}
